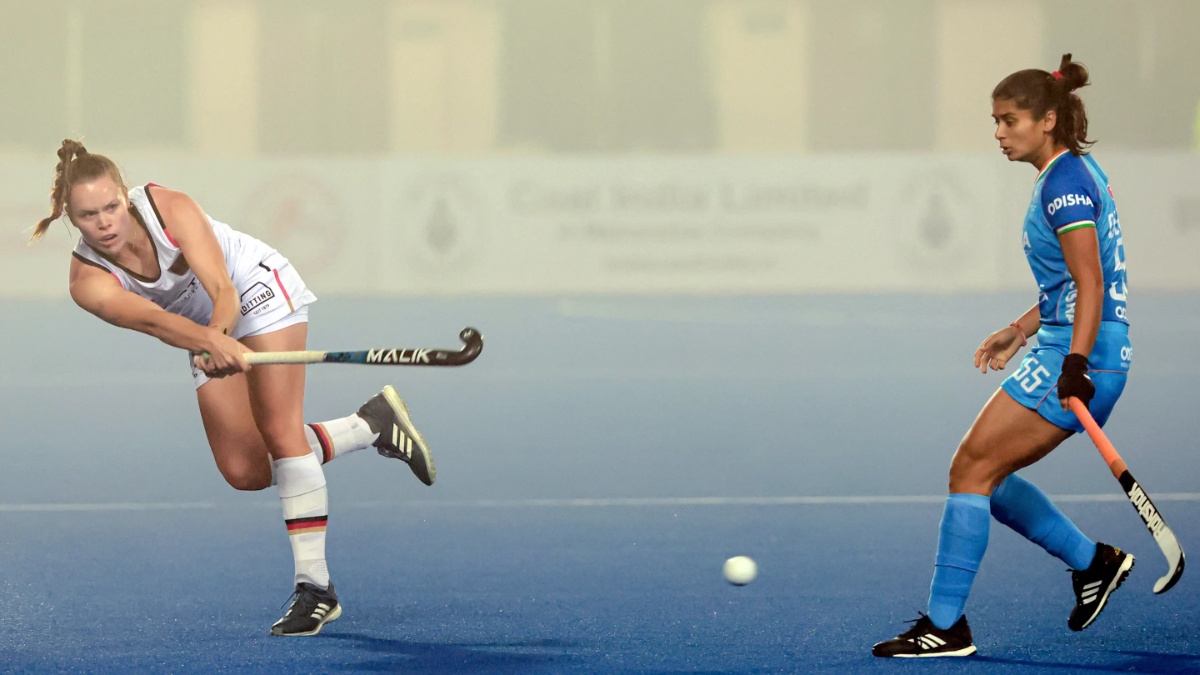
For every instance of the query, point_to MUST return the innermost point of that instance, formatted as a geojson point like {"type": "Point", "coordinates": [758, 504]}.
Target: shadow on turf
{"type": "Point", "coordinates": [1125, 661]}
{"type": "Point", "coordinates": [434, 657]}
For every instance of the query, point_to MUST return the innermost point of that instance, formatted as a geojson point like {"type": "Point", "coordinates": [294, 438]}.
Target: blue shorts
{"type": "Point", "coordinates": [1035, 384]}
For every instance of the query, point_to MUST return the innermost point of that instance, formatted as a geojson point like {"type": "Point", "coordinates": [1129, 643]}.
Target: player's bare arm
{"type": "Point", "coordinates": [182, 216]}
{"type": "Point", "coordinates": [1081, 251]}
{"type": "Point", "coordinates": [99, 293]}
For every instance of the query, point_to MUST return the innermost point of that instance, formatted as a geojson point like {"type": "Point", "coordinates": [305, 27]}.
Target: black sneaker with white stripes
{"type": "Point", "coordinates": [386, 415]}
{"type": "Point", "coordinates": [1107, 572]}
{"type": "Point", "coordinates": [927, 640]}
{"type": "Point", "coordinates": [312, 607]}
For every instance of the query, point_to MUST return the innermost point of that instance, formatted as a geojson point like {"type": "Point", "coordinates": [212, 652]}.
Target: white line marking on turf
{"type": "Point", "coordinates": [866, 500]}
{"type": "Point", "coordinates": [772, 501]}
{"type": "Point", "coordinates": [114, 506]}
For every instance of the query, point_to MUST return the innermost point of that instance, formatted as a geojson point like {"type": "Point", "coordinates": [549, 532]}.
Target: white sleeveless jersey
{"type": "Point", "coordinates": [176, 288]}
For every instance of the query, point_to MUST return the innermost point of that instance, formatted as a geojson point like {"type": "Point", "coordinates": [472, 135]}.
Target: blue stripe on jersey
{"type": "Point", "coordinates": [1070, 193]}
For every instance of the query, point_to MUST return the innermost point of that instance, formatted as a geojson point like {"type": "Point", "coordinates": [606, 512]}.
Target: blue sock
{"type": "Point", "coordinates": [962, 540]}
{"type": "Point", "coordinates": [1020, 505]}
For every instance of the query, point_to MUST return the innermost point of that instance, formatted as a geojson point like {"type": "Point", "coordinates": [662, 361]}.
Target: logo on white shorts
{"type": "Point", "coordinates": [255, 296]}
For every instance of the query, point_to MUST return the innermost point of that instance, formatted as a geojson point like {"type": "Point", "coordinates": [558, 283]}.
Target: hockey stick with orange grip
{"type": "Point", "coordinates": [1163, 535]}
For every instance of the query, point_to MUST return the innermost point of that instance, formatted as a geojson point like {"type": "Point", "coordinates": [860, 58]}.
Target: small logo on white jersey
{"type": "Point", "coordinates": [1068, 200]}
{"type": "Point", "coordinates": [186, 294]}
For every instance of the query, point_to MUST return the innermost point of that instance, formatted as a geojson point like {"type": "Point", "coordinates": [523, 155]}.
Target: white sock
{"type": "Point", "coordinates": [337, 437]}
{"type": "Point", "coordinates": [301, 485]}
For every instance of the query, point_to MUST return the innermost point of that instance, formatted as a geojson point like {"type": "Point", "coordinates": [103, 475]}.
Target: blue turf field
{"type": "Point", "coordinates": [596, 466]}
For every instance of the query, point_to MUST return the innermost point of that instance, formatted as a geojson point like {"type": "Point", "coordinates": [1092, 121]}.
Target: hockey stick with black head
{"type": "Point", "coordinates": [1163, 535]}
{"type": "Point", "coordinates": [407, 356]}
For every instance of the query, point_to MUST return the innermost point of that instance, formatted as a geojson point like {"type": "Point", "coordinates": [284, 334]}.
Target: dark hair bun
{"type": "Point", "coordinates": [1074, 74]}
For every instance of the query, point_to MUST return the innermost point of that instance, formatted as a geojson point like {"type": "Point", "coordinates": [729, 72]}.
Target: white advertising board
{"type": "Point", "coordinates": [680, 225]}
{"type": "Point", "coordinates": [694, 225]}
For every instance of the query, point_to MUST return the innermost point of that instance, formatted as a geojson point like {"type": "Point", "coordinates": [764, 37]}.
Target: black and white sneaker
{"type": "Point", "coordinates": [386, 415]}
{"type": "Point", "coordinates": [927, 640]}
{"type": "Point", "coordinates": [1092, 586]}
{"type": "Point", "coordinates": [312, 607]}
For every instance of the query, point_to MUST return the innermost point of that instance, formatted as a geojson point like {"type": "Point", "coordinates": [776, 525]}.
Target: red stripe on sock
{"type": "Point", "coordinates": [307, 523]}
{"type": "Point", "coordinates": [324, 441]}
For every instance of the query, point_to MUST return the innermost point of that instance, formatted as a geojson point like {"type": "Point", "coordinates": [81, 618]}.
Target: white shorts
{"type": "Point", "coordinates": [271, 297]}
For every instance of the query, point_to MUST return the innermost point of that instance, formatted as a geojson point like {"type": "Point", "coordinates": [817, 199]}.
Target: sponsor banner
{"type": "Point", "coordinates": [696, 225]}
{"type": "Point", "coordinates": [702, 225]}
{"type": "Point", "coordinates": [1158, 200]}
{"type": "Point", "coordinates": [322, 215]}
{"type": "Point", "coordinates": [1014, 185]}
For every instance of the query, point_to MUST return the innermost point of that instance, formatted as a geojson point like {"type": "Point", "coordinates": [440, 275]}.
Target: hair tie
{"type": "Point", "coordinates": [1056, 75]}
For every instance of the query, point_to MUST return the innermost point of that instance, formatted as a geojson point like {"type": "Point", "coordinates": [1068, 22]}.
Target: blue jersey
{"type": "Point", "coordinates": [1070, 193]}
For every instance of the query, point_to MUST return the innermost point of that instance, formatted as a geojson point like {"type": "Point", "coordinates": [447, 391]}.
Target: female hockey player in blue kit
{"type": "Point", "coordinates": [1072, 239]}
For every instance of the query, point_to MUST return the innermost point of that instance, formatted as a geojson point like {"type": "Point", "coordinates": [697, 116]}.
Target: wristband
{"type": "Point", "coordinates": [1021, 332]}
{"type": "Point", "coordinates": [1075, 364]}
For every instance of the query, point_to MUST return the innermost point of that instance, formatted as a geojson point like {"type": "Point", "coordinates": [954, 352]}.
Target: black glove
{"type": "Point", "coordinates": [1074, 380]}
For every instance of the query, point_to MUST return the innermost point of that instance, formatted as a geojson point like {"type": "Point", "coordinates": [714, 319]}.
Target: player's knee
{"type": "Point", "coordinates": [246, 477]}
{"type": "Point", "coordinates": [248, 482]}
{"type": "Point", "coordinates": [282, 436]}
{"type": "Point", "coordinates": [971, 471]}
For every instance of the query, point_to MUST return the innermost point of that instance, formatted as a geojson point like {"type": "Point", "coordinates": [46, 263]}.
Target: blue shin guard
{"type": "Point", "coordinates": [962, 541]}
{"type": "Point", "coordinates": [1020, 505]}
